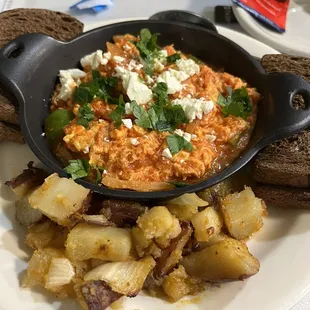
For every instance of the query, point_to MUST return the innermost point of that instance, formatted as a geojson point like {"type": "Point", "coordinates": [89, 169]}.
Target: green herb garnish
{"type": "Point", "coordinates": [177, 143]}
{"type": "Point", "coordinates": [162, 116]}
{"type": "Point", "coordinates": [78, 168]}
{"type": "Point", "coordinates": [173, 58]}
{"type": "Point", "coordinates": [98, 87]}
{"type": "Point", "coordinates": [85, 115]}
{"type": "Point", "coordinates": [237, 103]}
{"type": "Point", "coordinates": [148, 49]}
{"type": "Point", "coordinates": [118, 112]}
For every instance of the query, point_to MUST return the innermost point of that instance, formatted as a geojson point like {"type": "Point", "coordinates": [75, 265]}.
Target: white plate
{"type": "Point", "coordinates": [282, 248]}
{"type": "Point", "coordinates": [296, 39]}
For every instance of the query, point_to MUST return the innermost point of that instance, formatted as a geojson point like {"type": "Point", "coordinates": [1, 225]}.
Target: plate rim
{"type": "Point", "coordinates": [245, 19]}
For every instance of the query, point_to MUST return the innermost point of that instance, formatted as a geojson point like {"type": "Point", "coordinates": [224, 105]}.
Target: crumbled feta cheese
{"type": "Point", "coordinates": [179, 132]}
{"type": "Point", "coordinates": [189, 96]}
{"type": "Point", "coordinates": [166, 153]}
{"type": "Point", "coordinates": [158, 66]}
{"type": "Point", "coordinates": [93, 60]}
{"type": "Point", "coordinates": [162, 54]}
{"type": "Point", "coordinates": [194, 136]}
{"type": "Point", "coordinates": [182, 161]}
{"type": "Point", "coordinates": [149, 80]}
{"type": "Point", "coordinates": [86, 150]}
{"type": "Point", "coordinates": [126, 48]}
{"type": "Point", "coordinates": [211, 138]}
{"type": "Point", "coordinates": [160, 61]}
{"type": "Point", "coordinates": [105, 171]}
{"type": "Point", "coordinates": [107, 55]}
{"type": "Point", "coordinates": [118, 59]}
{"type": "Point", "coordinates": [135, 88]}
{"type": "Point", "coordinates": [69, 79]}
{"type": "Point", "coordinates": [134, 141]}
{"type": "Point", "coordinates": [194, 108]}
{"type": "Point", "coordinates": [187, 136]}
{"type": "Point", "coordinates": [127, 123]}
{"type": "Point", "coordinates": [134, 65]}
{"type": "Point", "coordinates": [105, 139]}
{"type": "Point", "coordinates": [173, 80]}
{"type": "Point", "coordinates": [128, 108]}
{"type": "Point", "coordinates": [188, 66]}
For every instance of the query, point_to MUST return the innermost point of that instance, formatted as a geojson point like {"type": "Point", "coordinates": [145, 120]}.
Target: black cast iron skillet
{"type": "Point", "coordinates": [30, 64]}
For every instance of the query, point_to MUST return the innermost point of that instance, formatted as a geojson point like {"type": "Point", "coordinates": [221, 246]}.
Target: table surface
{"type": "Point", "coordinates": [136, 8]}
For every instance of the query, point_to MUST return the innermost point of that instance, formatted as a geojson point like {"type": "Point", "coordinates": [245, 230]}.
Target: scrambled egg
{"type": "Point", "coordinates": [136, 153]}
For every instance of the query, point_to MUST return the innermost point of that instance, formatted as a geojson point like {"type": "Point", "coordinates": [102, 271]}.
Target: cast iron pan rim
{"type": "Point", "coordinates": [128, 194]}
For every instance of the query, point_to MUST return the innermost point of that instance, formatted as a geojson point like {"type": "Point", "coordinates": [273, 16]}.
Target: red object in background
{"type": "Point", "coordinates": [272, 12]}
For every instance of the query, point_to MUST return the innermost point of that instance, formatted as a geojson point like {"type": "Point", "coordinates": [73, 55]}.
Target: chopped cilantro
{"type": "Point", "coordinates": [85, 115]}
{"type": "Point", "coordinates": [147, 46]}
{"type": "Point", "coordinates": [98, 87]}
{"type": "Point", "coordinates": [162, 116]}
{"type": "Point", "coordinates": [82, 95]}
{"type": "Point", "coordinates": [98, 173]}
{"type": "Point", "coordinates": [177, 143]}
{"type": "Point", "coordinates": [175, 115]}
{"type": "Point", "coordinates": [95, 74]}
{"type": "Point", "coordinates": [142, 116]}
{"type": "Point", "coordinates": [118, 112]}
{"type": "Point", "coordinates": [78, 168]}
{"type": "Point", "coordinates": [237, 103]}
{"type": "Point", "coordinates": [160, 93]}
{"type": "Point", "coordinates": [173, 58]}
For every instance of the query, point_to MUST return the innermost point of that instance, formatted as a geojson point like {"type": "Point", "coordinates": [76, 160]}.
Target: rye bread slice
{"type": "Point", "coordinates": [283, 197]}
{"type": "Point", "coordinates": [286, 162]}
{"type": "Point", "coordinates": [9, 133]}
{"type": "Point", "coordinates": [60, 26]}
{"type": "Point", "coordinates": [17, 22]}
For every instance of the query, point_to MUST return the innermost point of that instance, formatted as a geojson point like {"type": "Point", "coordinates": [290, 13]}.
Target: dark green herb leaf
{"type": "Point", "coordinates": [112, 81]}
{"type": "Point", "coordinates": [237, 103]}
{"type": "Point", "coordinates": [95, 74]}
{"type": "Point", "coordinates": [163, 126]}
{"type": "Point", "coordinates": [177, 143]}
{"type": "Point", "coordinates": [85, 115]}
{"type": "Point", "coordinates": [160, 93]}
{"type": "Point", "coordinates": [142, 117]}
{"type": "Point", "coordinates": [178, 184]}
{"type": "Point", "coordinates": [147, 46]}
{"type": "Point", "coordinates": [119, 111]}
{"type": "Point", "coordinates": [175, 115]}
{"type": "Point", "coordinates": [78, 168]}
{"type": "Point", "coordinates": [173, 58]}
{"type": "Point", "coordinates": [98, 170]}
{"type": "Point", "coordinates": [82, 95]}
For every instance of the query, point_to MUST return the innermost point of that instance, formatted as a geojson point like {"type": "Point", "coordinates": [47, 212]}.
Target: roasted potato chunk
{"type": "Point", "coordinates": [39, 265]}
{"type": "Point", "coordinates": [95, 295]}
{"type": "Point", "coordinates": [243, 213]}
{"type": "Point", "coordinates": [25, 215]}
{"type": "Point", "coordinates": [54, 199]}
{"type": "Point", "coordinates": [46, 234]}
{"type": "Point", "coordinates": [207, 224]}
{"type": "Point", "coordinates": [226, 260]}
{"type": "Point", "coordinates": [159, 223]}
{"type": "Point", "coordinates": [91, 241]}
{"type": "Point", "coordinates": [126, 278]}
{"type": "Point", "coordinates": [178, 284]}
{"type": "Point", "coordinates": [183, 213]}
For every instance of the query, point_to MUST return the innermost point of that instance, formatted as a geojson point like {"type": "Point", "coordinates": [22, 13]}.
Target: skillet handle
{"type": "Point", "coordinates": [278, 118]}
{"type": "Point", "coordinates": [184, 17]}
{"type": "Point", "coordinates": [18, 61]}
